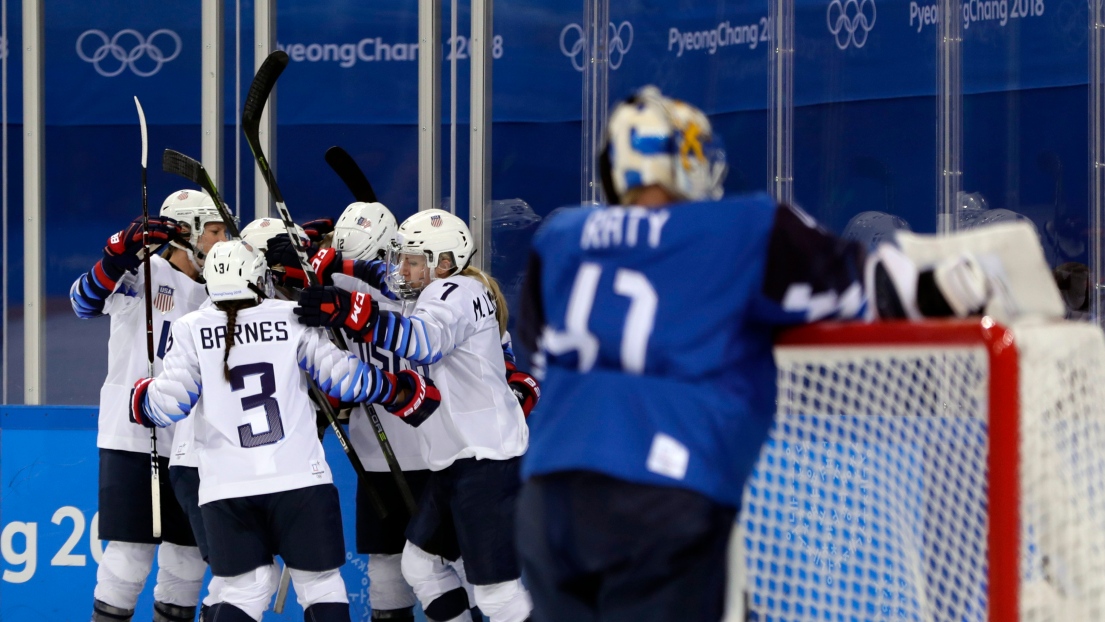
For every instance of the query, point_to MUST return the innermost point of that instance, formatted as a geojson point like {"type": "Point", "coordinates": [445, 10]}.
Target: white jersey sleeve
{"type": "Point", "coordinates": [442, 320]}
{"type": "Point", "coordinates": [175, 391]}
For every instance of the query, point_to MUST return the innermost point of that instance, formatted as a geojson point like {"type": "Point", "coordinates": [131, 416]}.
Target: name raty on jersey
{"type": "Point", "coordinates": [403, 437]}
{"type": "Point", "coordinates": [174, 295]}
{"type": "Point", "coordinates": [657, 326]}
{"type": "Point", "coordinates": [255, 434]}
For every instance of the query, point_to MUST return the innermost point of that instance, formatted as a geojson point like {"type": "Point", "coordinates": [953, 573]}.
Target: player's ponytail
{"type": "Point", "coordinates": [501, 313]}
{"type": "Point", "coordinates": [231, 308]}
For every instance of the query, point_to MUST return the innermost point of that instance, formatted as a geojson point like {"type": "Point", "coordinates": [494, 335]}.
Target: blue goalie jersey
{"type": "Point", "coordinates": [656, 325]}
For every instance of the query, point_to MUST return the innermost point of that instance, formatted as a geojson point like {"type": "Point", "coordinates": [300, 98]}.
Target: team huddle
{"type": "Point", "coordinates": [652, 321]}
{"type": "Point", "coordinates": [242, 337]}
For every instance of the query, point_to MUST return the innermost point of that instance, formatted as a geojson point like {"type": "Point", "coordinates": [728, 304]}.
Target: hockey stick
{"type": "Point", "coordinates": [346, 168]}
{"type": "Point", "coordinates": [191, 169]}
{"type": "Point", "coordinates": [282, 591]}
{"type": "Point", "coordinates": [155, 468]}
{"type": "Point", "coordinates": [259, 91]}
{"type": "Point", "coordinates": [177, 163]}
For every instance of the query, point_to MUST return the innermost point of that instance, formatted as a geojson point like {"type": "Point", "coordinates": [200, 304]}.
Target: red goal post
{"type": "Point", "coordinates": [938, 470]}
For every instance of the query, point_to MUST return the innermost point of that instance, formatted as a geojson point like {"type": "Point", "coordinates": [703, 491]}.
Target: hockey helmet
{"type": "Point", "coordinates": [193, 209]}
{"type": "Point", "coordinates": [260, 231]}
{"type": "Point", "coordinates": [656, 140]}
{"type": "Point", "coordinates": [234, 270]}
{"type": "Point", "coordinates": [364, 231]}
{"type": "Point", "coordinates": [427, 235]}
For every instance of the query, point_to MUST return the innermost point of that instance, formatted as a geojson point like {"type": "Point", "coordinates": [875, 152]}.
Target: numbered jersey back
{"type": "Point", "coordinates": [653, 291]}
{"type": "Point", "coordinates": [256, 433]}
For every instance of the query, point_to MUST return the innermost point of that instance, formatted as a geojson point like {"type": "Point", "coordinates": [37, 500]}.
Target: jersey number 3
{"type": "Point", "coordinates": [264, 399]}
{"type": "Point", "coordinates": [636, 330]}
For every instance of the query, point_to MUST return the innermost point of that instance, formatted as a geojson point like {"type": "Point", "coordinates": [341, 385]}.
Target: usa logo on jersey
{"type": "Point", "coordinates": [163, 301]}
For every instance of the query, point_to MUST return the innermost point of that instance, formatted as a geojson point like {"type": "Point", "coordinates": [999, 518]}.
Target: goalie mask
{"type": "Point", "coordinates": [656, 140]}
{"type": "Point", "coordinates": [364, 231]}
{"type": "Point", "coordinates": [422, 242]}
{"type": "Point", "coordinates": [192, 209]}
{"type": "Point", "coordinates": [259, 232]}
{"type": "Point", "coordinates": [235, 270]}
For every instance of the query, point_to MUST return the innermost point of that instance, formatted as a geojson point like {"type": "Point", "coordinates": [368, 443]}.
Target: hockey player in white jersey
{"type": "Point", "coordinates": [353, 262]}
{"type": "Point", "coordinates": [260, 458]}
{"type": "Point", "coordinates": [474, 443]}
{"type": "Point", "coordinates": [189, 224]}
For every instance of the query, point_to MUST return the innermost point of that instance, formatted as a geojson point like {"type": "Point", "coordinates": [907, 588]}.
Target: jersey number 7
{"type": "Point", "coordinates": [636, 329]}
{"type": "Point", "coordinates": [238, 376]}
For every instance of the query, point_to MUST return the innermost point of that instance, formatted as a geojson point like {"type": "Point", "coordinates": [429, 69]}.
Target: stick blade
{"type": "Point", "coordinates": [177, 163]}
{"type": "Point", "coordinates": [346, 168]}
{"type": "Point", "coordinates": [261, 87]}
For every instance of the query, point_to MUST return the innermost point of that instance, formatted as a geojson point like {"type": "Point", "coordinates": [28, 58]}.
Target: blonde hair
{"type": "Point", "coordinates": [501, 313]}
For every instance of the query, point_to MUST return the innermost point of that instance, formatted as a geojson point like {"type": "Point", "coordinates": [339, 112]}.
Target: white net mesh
{"type": "Point", "coordinates": [869, 501]}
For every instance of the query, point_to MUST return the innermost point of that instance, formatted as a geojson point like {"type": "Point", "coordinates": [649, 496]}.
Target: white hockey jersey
{"type": "Point", "coordinates": [402, 437]}
{"type": "Point", "coordinates": [255, 434]}
{"type": "Point", "coordinates": [453, 329]}
{"type": "Point", "coordinates": [175, 294]}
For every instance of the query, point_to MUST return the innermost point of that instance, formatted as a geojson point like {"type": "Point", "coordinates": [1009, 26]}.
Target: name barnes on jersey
{"type": "Point", "coordinates": [247, 332]}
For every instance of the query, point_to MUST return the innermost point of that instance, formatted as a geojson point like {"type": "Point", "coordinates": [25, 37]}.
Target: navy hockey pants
{"type": "Point", "coordinates": [595, 548]}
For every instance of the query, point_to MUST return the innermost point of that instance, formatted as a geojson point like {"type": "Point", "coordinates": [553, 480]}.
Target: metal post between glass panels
{"type": "Point", "coordinates": [1097, 151]}
{"type": "Point", "coordinates": [480, 119]}
{"type": "Point", "coordinates": [596, 95]}
{"type": "Point", "coordinates": [34, 317]}
{"type": "Point", "coordinates": [264, 42]}
{"type": "Point", "coordinates": [780, 139]}
{"type": "Point", "coordinates": [949, 118]}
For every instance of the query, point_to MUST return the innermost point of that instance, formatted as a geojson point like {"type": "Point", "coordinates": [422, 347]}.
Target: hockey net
{"type": "Point", "coordinates": [931, 471]}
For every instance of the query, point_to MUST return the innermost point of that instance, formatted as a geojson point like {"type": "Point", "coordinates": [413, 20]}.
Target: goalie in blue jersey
{"type": "Point", "coordinates": [655, 317]}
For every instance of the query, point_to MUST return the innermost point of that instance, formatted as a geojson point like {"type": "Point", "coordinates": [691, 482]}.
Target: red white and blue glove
{"type": "Point", "coordinates": [281, 252]}
{"type": "Point", "coordinates": [123, 250]}
{"type": "Point", "coordinates": [318, 228]}
{"type": "Point", "coordinates": [423, 400]}
{"type": "Point", "coordinates": [525, 388]}
{"type": "Point", "coordinates": [325, 263]}
{"type": "Point", "coordinates": [138, 403]}
{"type": "Point", "coordinates": [331, 307]}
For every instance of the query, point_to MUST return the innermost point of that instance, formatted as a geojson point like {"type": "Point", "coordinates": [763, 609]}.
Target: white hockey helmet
{"type": "Point", "coordinates": [234, 270]}
{"type": "Point", "coordinates": [430, 234]}
{"type": "Point", "coordinates": [656, 140]}
{"type": "Point", "coordinates": [259, 232]}
{"type": "Point", "coordinates": [193, 209]}
{"type": "Point", "coordinates": [364, 230]}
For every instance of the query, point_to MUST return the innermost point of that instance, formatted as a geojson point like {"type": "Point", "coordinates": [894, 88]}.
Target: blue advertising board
{"type": "Point", "coordinates": [49, 543]}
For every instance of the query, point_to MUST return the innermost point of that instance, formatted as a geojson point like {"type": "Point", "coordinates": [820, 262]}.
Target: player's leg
{"type": "Point", "coordinates": [180, 563]}
{"type": "Point", "coordinates": [240, 557]}
{"type": "Point", "coordinates": [382, 539]}
{"type": "Point", "coordinates": [439, 588]}
{"type": "Point", "coordinates": [458, 567]}
{"type": "Point", "coordinates": [622, 550]}
{"type": "Point", "coordinates": [431, 546]}
{"type": "Point", "coordinates": [126, 524]}
{"type": "Point", "coordinates": [306, 528]}
{"type": "Point", "coordinates": [484, 495]}
{"type": "Point", "coordinates": [120, 579]}
{"type": "Point", "coordinates": [186, 484]}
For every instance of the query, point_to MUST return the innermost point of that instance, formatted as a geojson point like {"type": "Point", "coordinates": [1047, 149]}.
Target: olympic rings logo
{"type": "Point", "coordinates": [127, 58]}
{"type": "Point", "coordinates": [849, 22]}
{"type": "Point", "coordinates": [621, 39]}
